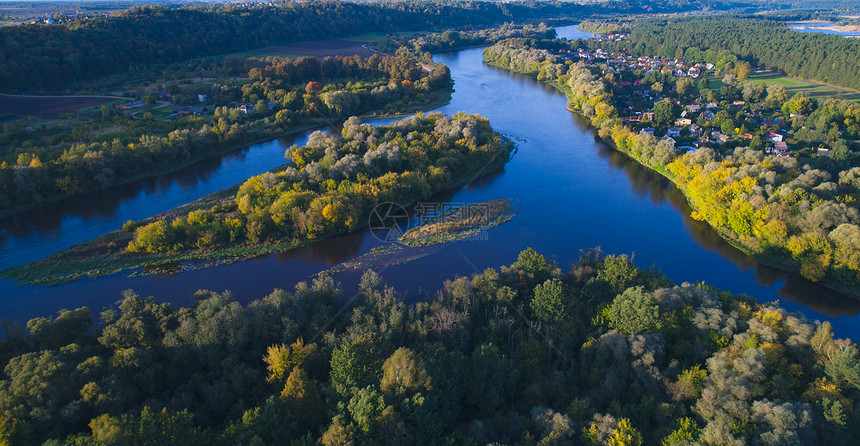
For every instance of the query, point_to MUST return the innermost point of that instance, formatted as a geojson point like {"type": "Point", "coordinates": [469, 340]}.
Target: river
{"type": "Point", "coordinates": [818, 27]}
{"type": "Point", "coordinates": [573, 193]}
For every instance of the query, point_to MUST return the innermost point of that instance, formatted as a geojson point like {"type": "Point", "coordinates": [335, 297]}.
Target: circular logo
{"type": "Point", "coordinates": [388, 221]}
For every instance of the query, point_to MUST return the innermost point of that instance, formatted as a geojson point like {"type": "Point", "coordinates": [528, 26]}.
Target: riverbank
{"type": "Point", "coordinates": [108, 254]}
{"type": "Point", "coordinates": [779, 262]}
{"type": "Point", "coordinates": [438, 99]}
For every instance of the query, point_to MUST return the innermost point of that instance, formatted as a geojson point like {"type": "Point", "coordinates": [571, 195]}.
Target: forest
{"type": "Point", "coordinates": [528, 354]}
{"type": "Point", "coordinates": [797, 212]}
{"type": "Point", "coordinates": [35, 58]}
{"type": "Point", "coordinates": [764, 43]}
{"type": "Point", "coordinates": [420, 46]}
{"type": "Point", "coordinates": [40, 165]}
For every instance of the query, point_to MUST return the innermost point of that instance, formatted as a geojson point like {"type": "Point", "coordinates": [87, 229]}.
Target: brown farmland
{"type": "Point", "coordinates": [48, 106]}
{"type": "Point", "coordinates": [316, 48]}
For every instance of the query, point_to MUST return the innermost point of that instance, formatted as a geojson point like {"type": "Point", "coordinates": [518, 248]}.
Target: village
{"type": "Point", "coordinates": [693, 124]}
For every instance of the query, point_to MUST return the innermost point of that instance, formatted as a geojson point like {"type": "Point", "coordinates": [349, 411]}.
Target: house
{"type": "Point", "coordinates": [695, 130]}
{"type": "Point", "coordinates": [719, 137]}
{"type": "Point", "coordinates": [130, 105]}
{"type": "Point", "coordinates": [184, 110]}
{"type": "Point", "coordinates": [747, 136]}
{"type": "Point", "coordinates": [647, 116]}
{"type": "Point", "coordinates": [647, 130]}
{"type": "Point", "coordinates": [165, 96]}
{"type": "Point", "coordinates": [739, 103]}
{"type": "Point", "coordinates": [774, 137]}
{"type": "Point", "coordinates": [712, 106]}
{"type": "Point", "coordinates": [201, 98]}
{"type": "Point", "coordinates": [694, 72]}
{"type": "Point", "coordinates": [694, 108]}
{"type": "Point", "coordinates": [673, 132]}
{"type": "Point", "coordinates": [780, 147]}
{"type": "Point", "coordinates": [707, 114]}
{"type": "Point", "coordinates": [668, 140]}
{"type": "Point", "coordinates": [247, 108]}
{"type": "Point", "coordinates": [683, 122]}
{"type": "Point", "coordinates": [822, 151]}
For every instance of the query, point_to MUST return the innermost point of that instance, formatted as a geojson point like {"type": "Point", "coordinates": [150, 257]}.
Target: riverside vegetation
{"type": "Point", "coordinates": [329, 187]}
{"type": "Point", "coordinates": [798, 211]}
{"type": "Point", "coordinates": [44, 162]}
{"type": "Point", "coordinates": [605, 354]}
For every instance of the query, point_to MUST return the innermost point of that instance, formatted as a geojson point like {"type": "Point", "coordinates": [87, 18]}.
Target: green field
{"type": "Point", "coordinates": [796, 86]}
{"type": "Point", "coordinates": [793, 86]}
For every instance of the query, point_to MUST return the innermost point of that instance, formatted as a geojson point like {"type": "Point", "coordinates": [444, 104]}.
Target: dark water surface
{"type": "Point", "coordinates": [819, 28]}
{"type": "Point", "coordinates": [573, 193]}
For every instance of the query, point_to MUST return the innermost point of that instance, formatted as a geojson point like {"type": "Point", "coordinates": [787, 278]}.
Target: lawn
{"type": "Point", "coordinates": [793, 86]}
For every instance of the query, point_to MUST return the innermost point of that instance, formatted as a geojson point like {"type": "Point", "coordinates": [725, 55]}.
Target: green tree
{"type": "Point", "coordinates": [618, 271]}
{"type": "Point", "coordinates": [664, 112]}
{"type": "Point", "coordinates": [365, 407]}
{"type": "Point", "coordinates": [776, 96]}
{"type": "Point", "coordinates": [549, 302]}
{"type": "Point", "coordinates": [635, 311]}
{"type": "Point", "coordinates": [534, 265]}
{"type": "Point", "coordinates": [303, 399]}
{"type": "Point", "coordinates": [403, 373]}
{"type": "Point", "coordinates": [684, 85]}
{"type": "Point", "coordinates": [354, 364]}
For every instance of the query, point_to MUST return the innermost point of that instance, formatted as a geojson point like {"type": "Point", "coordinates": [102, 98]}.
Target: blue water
{"type": "Point", "coordinates": [816, 28]}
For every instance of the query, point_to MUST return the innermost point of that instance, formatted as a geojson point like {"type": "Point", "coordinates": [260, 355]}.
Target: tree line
{"type": "Point", "coordinates": [39, 165]}
{"type": "Point", "coordinates": [420, 46]}
{"type": "Point", "coordinates": [50, 57]}
{"type": "Point", "coordinates": [762, 42]}
{"type": "Point", "coordinates": [798, 210]}
{"type": "Point", "coordinates": [602, 354]}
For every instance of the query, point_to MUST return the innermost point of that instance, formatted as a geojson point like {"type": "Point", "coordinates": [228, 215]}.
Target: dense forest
{"type": "Point", "coordinates": [41, 164]}
{"type": "Point", "coordinates": [800, 212]}
{"type": "Point", "coordinates": [48, 57]}
{"type": "Point", "coordinates": [762, 42]}
{"type": "Point", "coordinates": [334, 181]}
{"type": "Point", "coordinates": [422, 45]}
{"type": "Point", "coordinates": [604, 354]}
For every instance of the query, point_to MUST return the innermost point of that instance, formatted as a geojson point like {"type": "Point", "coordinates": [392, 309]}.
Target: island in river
{"type": "Point", "coordinates": [329, 187]}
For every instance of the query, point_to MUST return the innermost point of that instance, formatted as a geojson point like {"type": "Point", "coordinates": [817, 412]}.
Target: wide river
{"type": "Point", "coordinates": [573, 193]}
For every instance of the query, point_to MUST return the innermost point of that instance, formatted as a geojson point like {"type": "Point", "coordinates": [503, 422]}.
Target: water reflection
{"type": "Point", "coordinates": [40, 232]}
{"type": "Point", "coordinates": [795, 289]}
